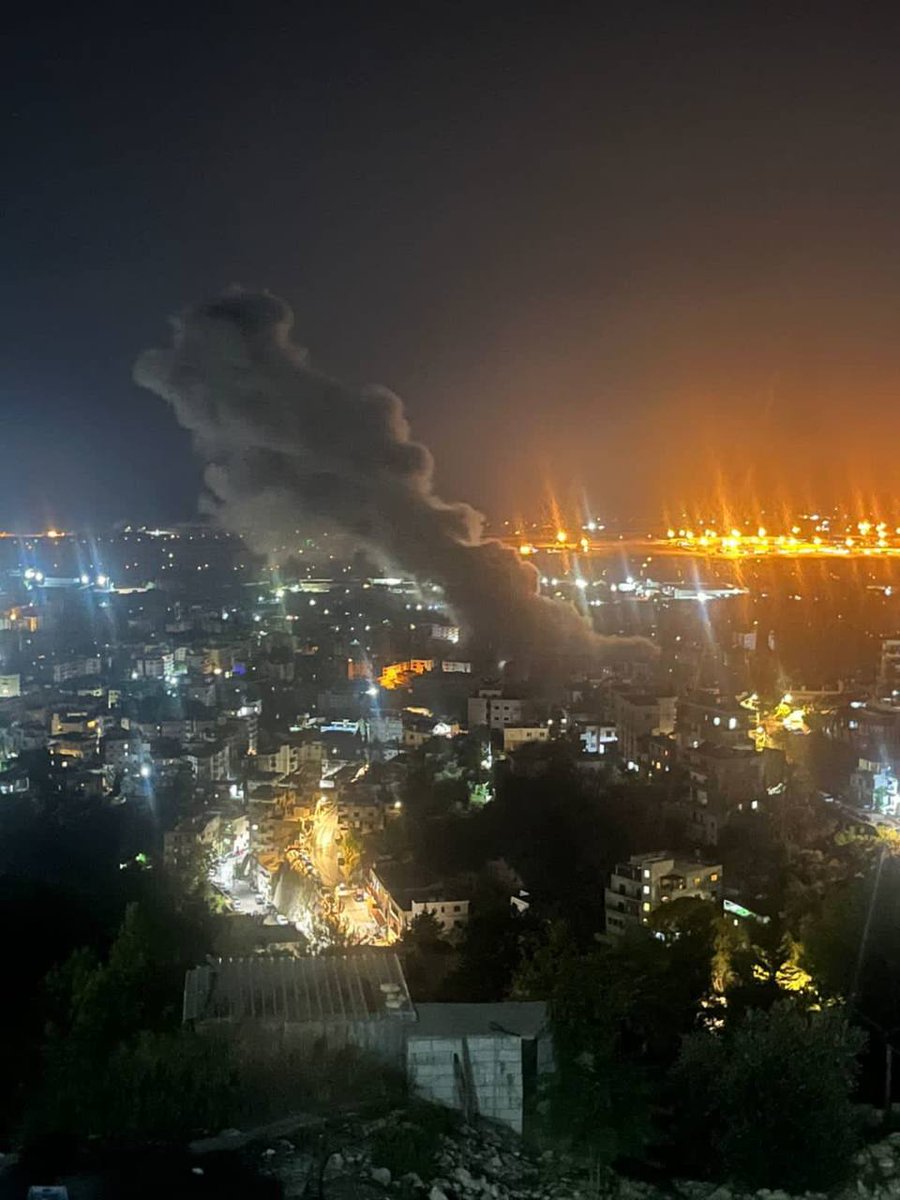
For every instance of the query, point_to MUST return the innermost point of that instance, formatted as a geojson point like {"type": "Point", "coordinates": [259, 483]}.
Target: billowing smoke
{"type": "Point", "coordinates": [284, 442]}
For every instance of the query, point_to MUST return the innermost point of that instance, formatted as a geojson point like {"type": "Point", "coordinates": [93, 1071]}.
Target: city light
{"type": "Point", "coordinates": [802, 537]}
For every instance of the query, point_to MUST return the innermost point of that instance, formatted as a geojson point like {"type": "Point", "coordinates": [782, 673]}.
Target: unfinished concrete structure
{"type": "Point", "coordinates": [483, 1059]}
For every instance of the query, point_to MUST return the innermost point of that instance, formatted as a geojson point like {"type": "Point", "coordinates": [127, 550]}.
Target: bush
{"type": "Point", "coordinates": [769, 1103]}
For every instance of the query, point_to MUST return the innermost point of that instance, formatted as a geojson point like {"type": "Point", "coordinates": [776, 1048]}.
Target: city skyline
{"type": "Point", "coordinates": [450, 602]}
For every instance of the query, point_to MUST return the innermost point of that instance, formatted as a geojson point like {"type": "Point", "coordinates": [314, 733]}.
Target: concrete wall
{"type": "Point", "coordinates": [384, 1040]}
{"type": "Point", "coordinates": [439, 1069]}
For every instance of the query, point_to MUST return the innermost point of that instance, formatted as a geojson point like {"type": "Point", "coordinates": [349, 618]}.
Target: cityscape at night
{"type": "Point", "coordinates": [450, 603]}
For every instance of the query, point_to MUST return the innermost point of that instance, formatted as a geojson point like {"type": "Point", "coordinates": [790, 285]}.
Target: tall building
{"type": "Point", "coordinates": [639, 714]}
{"type": "Point", "coordinates": [647, 881]}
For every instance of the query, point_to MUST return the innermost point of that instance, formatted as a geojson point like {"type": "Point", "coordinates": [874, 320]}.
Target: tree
{"type": "Point", "coordinates": [851, 945]}
{"type": "Point", "coordinates": [769, 1101]}
{"type": "Point", "coordinates": [124, 1012]}
{"type": "Point", "coordinates": [352, 853]}
{"type": "Point", "coordinates": [597, 1102]}
{"type": "Point", "coordinates": [489, 953]}
{"type": "Point", "coordinates": [154, 1085]}
{"type": "Point", "coordinates": [427, 957]}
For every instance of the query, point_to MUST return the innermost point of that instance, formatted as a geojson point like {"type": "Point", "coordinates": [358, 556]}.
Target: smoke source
{"type": "Point", "coordinates": [283, 442]}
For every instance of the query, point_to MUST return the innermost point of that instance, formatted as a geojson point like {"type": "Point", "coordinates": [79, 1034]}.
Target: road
{"type": "Point", "coordinates": [238, 891]}
{"type": "Point", "coordinates": [357, 914]}
{"type": "Point", "coordinates": [355, 909]}
{"type": "Point", "coordinates": [324, 848]}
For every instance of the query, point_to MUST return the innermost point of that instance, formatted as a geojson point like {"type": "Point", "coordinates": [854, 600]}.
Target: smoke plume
{"type": "Point", "coordinates": [283, 442]}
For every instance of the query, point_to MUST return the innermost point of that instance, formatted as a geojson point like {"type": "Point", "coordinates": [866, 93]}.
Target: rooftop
{"type": "Point", "coordinates": [714, 750]}
{"type": "Point", "coordinates": [525, 1019]}
{"type": "Point", "coordinates": [367, 986]}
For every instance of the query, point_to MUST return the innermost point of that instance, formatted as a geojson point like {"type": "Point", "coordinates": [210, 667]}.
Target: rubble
{"type": "Point", "coordinates": [488, 1163]}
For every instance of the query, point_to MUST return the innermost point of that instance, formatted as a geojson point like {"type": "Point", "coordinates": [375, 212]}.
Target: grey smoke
{"type": "Point", "coordinates": [283, 442]}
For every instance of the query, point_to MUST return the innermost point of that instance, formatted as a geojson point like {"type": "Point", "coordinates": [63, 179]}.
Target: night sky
{"type": "Point", "coordinates": [635, 252]}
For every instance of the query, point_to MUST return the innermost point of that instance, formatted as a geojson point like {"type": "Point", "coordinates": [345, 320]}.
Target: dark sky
{"type": "Point", "coordinates": [639, 252]}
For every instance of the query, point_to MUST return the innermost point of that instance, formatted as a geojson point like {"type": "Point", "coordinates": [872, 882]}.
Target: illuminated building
{"type": "Point", "coordinates": [639, 887]}
{"type": "Point", "coordinates": [10, 685]}
{"type": "Point", "coordinates": [400, 674]}
{"type": "Point", "coordinates": [874, 786]}
{"type": "Point", "coordinates": [597, 738]}
{"type": "Point", "coordinates": [401, 895]}
{"type": "Point", "coordinates": [705, 716]}
{"type": "Point", "coordinates": [516, 736]}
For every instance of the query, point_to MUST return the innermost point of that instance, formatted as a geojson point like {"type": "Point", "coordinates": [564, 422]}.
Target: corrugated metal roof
{"type": "Point", "coordinates": [353, 987]}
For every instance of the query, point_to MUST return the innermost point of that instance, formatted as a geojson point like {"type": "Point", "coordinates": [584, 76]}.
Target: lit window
{"type": "Point", "coordinates": [714, 878]}
{"type": "Point", "coordinates": [646, 873]}
{"type": "Point", "coordinates": [646, 889]}
{"type": "Point", "coordinates": [717, 720]}
{"type": "Point", "coordinates": [646, 906]}
{"type": "Point", "coordinates": [732, 722]}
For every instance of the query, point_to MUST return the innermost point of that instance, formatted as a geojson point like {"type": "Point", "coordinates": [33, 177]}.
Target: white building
{"type": "Point", "coordinates": [75, 668]}
{"type": "Point", "coordinates": [10, 686]}
{"type": "Point", "coordinates": [648, 881]}
{"type": "Point", "coordinates": [598, 738]}
{"type": "Point", "coordinates": [401, 898]}
{"type": "Point", "coordinates": [639, 714]}
{"type": "Point", "coordinates": [490, 707]}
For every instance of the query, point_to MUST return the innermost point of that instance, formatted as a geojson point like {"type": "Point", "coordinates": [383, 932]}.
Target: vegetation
{"type": "Point", "coordinates": [768, 1102]}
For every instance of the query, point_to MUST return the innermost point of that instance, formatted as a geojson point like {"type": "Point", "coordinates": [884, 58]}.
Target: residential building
{"type": "Point", "coordinates": [124, 750]}
{"type": "Point", "coordinates": [401, 895]}
{"type": "Point", "coordinates": [647, 881]}
{"type": "Point", "coordinates": [725, 776]}
{"type": "Point", "coordinates": [289, 757]}
{"type": "Point", "coordinates": [515, 736]}
{"type": "Point", "coordinates": [361, 813]}
{"type": "Point", "coordinates": [638, 714]}
{"type": "Point", "coordinates": [707, 716]}
{"type": "Point", "coordinates": [76, 668]}
{"type": "Point", "coordinates": [491, 708]}
{"type": "Point", "coordinates": [598, 737]}
{"type": "Point", "coordinates": [211, 761]}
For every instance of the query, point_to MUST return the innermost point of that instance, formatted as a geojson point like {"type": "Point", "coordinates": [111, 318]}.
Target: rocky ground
{"type": "Point", "coordinates": [417, 1153]}
{"type": "Point", "coordinates": [413, 1157]}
